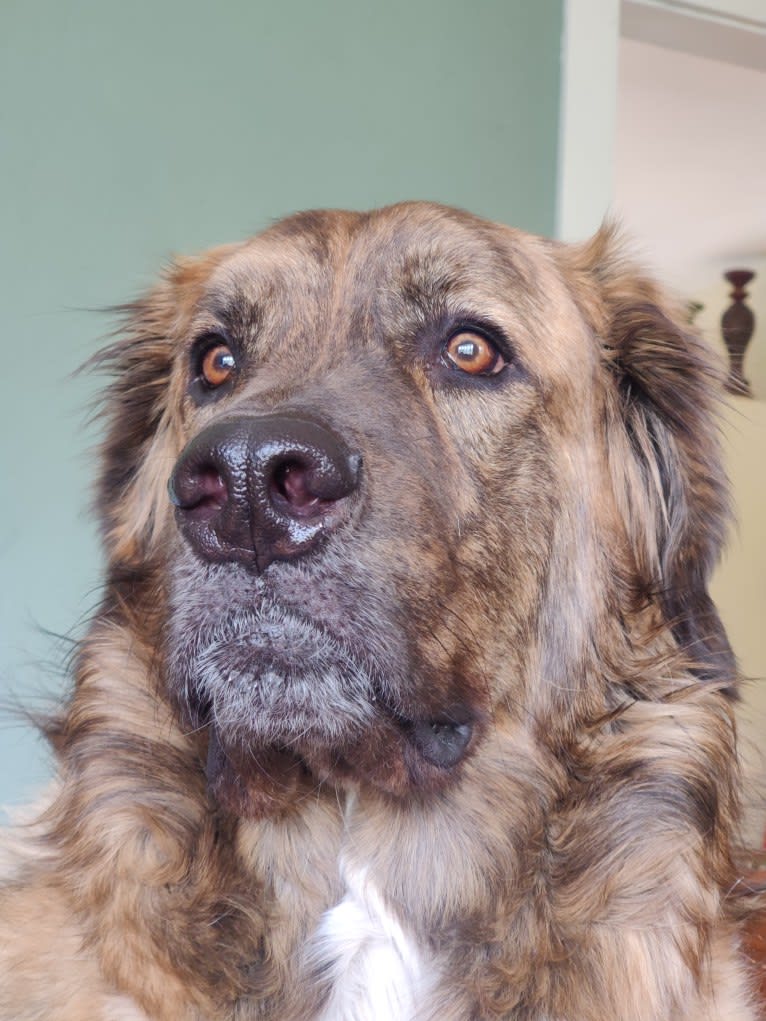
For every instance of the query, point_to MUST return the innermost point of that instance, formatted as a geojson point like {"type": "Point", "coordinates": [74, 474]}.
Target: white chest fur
{"type": "Point", "coordinates": [377, 971]}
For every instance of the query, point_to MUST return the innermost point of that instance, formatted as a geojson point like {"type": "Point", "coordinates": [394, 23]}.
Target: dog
{"type": "Point", "coordinates": [406, 699]}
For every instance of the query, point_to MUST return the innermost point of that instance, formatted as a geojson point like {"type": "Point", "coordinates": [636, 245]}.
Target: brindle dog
{"type": "Point", "coordinates": [408, 702]}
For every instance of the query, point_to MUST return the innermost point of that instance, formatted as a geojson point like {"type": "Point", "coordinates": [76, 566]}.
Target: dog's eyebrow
{"type": "Point", "coordinates": [425, 280]}
{"type": "Point", "coordinates": [434, 277]}
{"type": "Point", "coordinates": [429, 299]}
{"type": "Point", "coordinates": [237, 312]}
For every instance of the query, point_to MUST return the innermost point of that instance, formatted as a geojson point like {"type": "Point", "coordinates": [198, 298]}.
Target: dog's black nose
{"type": "Point", "coordinates": [259, 489]}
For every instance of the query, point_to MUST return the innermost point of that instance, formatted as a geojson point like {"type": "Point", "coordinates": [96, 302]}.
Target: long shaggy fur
{"type": "Point", "coordinates": [243, 825]}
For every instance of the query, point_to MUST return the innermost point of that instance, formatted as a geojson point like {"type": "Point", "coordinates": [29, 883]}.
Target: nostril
{"type": "Point", "coordinates": [200, 494]}
{"type": "Point", "coordinates": [312, 484]}
{"type": "Point", "coordinates": [290, 487]}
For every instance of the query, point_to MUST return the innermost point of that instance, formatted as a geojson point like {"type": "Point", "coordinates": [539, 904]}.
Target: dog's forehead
{"type": "Point", "coordinates": [416, 250]}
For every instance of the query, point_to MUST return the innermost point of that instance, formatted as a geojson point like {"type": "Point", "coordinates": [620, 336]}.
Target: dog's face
{"type": "Point", "coordinates": [419, 469]}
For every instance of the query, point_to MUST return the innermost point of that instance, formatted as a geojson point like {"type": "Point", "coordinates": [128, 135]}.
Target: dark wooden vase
{"type": "Point", "coordinates": [737, 325]}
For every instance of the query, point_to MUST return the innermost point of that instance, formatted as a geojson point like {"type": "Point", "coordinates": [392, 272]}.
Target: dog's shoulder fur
{"type": "Point", "coordinates": [577, 863]}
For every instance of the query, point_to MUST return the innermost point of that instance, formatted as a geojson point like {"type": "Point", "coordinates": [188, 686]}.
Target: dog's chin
{"type": "Point", "coordinates": [287, 706]}
{"type": "Point", "coordinates": [399, 759]}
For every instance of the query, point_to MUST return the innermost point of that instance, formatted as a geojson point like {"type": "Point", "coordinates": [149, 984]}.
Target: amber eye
{"type": "Point", "coordinates": [473, 353]}
{"type": "Point", "coordinates": [217, 365]}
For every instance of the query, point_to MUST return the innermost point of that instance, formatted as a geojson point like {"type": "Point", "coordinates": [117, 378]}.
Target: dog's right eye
{"type": "Point", "coordinates": [216, 364]}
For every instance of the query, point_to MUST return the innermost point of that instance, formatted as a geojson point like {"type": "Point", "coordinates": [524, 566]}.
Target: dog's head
{"type": "Point", "coordinates": [401, 476]}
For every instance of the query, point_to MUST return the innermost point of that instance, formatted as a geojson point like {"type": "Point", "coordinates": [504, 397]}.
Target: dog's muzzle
{"type": "Point", "coordinates": [253, 490]}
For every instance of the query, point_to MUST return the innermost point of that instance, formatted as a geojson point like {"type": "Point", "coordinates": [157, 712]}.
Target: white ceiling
{"type": "Point", "coordinates": [690, 162]}
{"type": "Point", "coordinates": [730, 30]}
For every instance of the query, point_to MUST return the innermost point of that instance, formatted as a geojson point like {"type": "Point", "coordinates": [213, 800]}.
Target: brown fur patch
{"type": "Point", "coordinates": [519, 576]}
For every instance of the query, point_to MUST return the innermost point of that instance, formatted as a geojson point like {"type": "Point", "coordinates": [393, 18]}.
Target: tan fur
{"type": "Point", "coordinates": [537, 549]}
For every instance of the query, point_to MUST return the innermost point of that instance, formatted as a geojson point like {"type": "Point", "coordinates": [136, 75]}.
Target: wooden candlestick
{"type": "Point", "coordinates": [737, 325]}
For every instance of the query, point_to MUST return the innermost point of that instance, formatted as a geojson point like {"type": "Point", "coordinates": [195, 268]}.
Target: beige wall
{"type": "Point", "coordinates": [739, 586]}
{"type": "Point", "coordinates": [739, 589]}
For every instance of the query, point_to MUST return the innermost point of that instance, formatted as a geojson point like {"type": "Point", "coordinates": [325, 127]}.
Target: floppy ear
{"type": "Point", "coordinates": [141, 411]}
{"type": "Point", "coordinates": [663, 388]}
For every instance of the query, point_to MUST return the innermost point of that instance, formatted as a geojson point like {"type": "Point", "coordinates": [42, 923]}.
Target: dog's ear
{"type": "Point", "coordinates": [662, 391]}
{"type": "Point", "coordinates": [141, 411]}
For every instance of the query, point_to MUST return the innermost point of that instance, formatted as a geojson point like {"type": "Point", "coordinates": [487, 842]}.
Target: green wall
{"type": "Point", "coordinates": [130, 131]}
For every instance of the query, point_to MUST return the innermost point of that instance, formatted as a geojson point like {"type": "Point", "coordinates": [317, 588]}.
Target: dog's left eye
{"type": "Point", "coordinates": [474, 353]}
